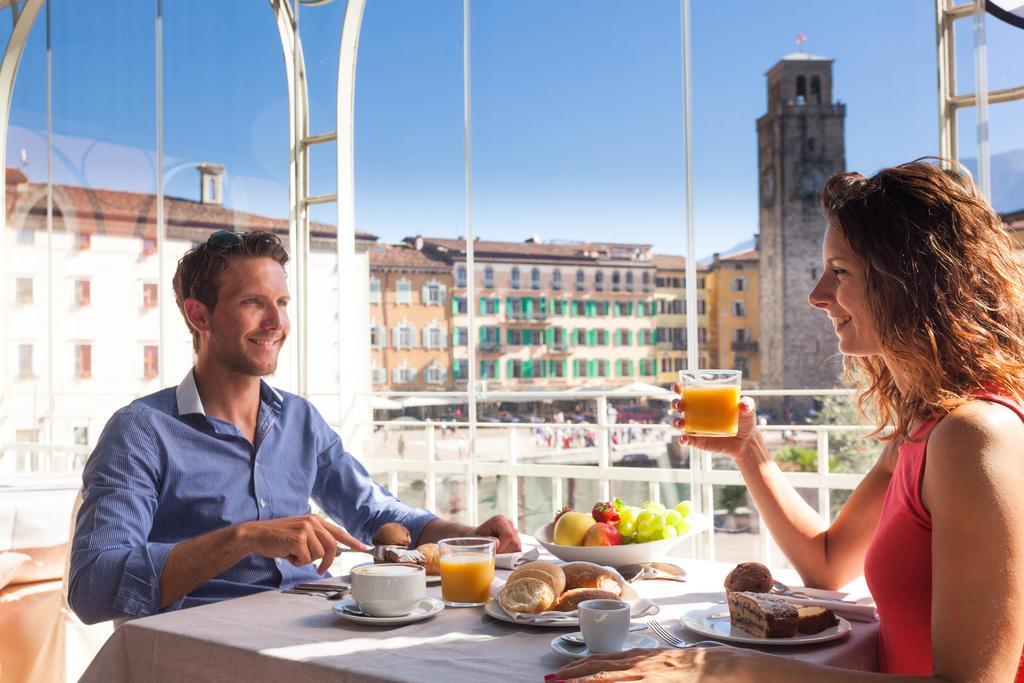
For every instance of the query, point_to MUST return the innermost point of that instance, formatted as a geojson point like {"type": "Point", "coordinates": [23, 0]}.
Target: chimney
{"type": "Point", "coordinates": [211, 186]}
{"type": "Point", "coordinates": [419, 243]}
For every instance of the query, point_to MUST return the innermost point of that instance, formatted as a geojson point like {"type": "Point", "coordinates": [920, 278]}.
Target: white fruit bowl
{"type": "Point", "coordinates": [618, 555]}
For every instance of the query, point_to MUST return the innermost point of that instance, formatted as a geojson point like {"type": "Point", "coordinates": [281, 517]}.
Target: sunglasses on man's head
{"type": "Point", "coordinates": [225, 239]}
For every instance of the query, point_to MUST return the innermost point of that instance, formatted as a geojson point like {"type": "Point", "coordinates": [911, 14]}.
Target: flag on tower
{"type": "Point", "coordinates": [800, 38]}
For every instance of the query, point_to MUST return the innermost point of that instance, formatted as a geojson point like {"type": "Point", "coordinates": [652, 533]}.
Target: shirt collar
{"type": "Point", "coordinates": [189, 402]}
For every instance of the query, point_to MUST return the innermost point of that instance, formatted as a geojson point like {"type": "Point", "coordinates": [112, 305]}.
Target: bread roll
{"type": "Point", "coordinates": [526, 595]}
{"type": "Point", "coordinates": [392, 533]}
{"type": "Point", "coordinates": [541, 570]}
{"type": "Point", "coordinates": [570, 599]}
{"type": "Point", "coordinates": [751, 577]}
{"type": "Point", "coordinates": [587, 575]}
{"type": "Point", "coordinates": [433, 558]}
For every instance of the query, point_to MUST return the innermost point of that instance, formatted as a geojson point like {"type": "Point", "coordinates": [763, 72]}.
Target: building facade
{"type": "Point", "coordinates": [800, 144]}
{"type": "Point", "coordinates": [735, 310]}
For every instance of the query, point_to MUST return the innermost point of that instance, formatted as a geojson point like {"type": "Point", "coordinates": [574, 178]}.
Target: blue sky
{"type": "Point", "coordinates": [577, 111]}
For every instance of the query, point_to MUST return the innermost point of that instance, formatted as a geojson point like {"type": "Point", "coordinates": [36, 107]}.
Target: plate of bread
{"type": "Point", "coordinates": [548, 594]}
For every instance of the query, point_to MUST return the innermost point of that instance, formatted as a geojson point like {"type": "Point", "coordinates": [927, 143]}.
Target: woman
{"type": "Point", "coordinates": [928, 305]}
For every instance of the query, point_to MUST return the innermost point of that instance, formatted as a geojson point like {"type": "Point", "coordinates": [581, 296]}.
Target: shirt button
{"type": "Point", "coordinates": [263, 503]}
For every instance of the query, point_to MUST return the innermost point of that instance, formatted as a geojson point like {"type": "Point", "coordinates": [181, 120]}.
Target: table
{"type": "Point", "coordinates": [274, 636]}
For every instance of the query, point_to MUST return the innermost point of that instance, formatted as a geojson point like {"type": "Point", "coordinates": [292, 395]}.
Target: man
{"type": "Point", "coordinates": [201, 492]}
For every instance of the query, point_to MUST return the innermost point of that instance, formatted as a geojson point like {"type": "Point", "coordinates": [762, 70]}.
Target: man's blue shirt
{"type": "Point", "coordinates": [164, 472]}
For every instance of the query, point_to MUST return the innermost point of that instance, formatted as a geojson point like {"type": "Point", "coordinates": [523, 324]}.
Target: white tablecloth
{"type": "Point", "coordinates": [279, 637]}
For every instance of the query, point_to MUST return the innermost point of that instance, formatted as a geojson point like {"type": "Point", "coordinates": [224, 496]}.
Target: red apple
{"type": "Point", "coordinates": [602, 534]}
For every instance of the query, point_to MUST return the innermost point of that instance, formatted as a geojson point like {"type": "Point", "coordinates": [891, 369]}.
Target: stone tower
{"type": "Point", "coordinates": [800, 143]}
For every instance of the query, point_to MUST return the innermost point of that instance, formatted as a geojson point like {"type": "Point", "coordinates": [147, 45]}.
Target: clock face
{"type": "Point", "coordinates": [768, 186]}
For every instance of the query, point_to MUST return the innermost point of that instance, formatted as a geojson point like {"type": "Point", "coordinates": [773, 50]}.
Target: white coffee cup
{"type": "Point", "coordinates": [605, 624]}
{"type": "Point", "coordinates": [388, 590]}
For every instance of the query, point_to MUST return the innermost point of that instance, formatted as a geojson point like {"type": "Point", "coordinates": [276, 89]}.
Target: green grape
{"type": "Point", "coordinates": [684, 507]}
{"type": "Point", "coordinates": [669, 532]}
{"type": "Point", "coordinates": [626, 540]}
{"type": "Point", "coordinates": [644, 528]}
{"type": "Point", "coordinates": [683, 527]}
{"type": "Point", "coordinates": [645, 538]}
{"type": "Point", "coordinates": [626, 528]}
{"type": "Point", "coordinates": [651, 505]}
{"type": "Point", "coordinates": [672, 518]}
{"type": "Point", "coordinates": [626, 515]}
{"type": "Point", "coordinates": [658, 523]}
{"type": "Point", "coordinates": [644, 517]}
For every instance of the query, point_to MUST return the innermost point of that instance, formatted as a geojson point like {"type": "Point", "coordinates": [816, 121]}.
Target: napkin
{"type": "Point", "coordinates": [639, 606]}
{"type": "Point", "coordinates": [513, 560]}
{"type": "Point", "coordinates": [854, 610]}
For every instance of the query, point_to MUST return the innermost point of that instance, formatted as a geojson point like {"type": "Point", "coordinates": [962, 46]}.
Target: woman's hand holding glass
{"type": "Point", "coordinates": [737, 447]}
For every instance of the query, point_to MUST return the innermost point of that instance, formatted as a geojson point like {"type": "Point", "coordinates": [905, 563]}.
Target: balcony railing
{"type": "Point", "coordinates": [490, 346]}
{"type": "Point", "coordinates": [746, 345]}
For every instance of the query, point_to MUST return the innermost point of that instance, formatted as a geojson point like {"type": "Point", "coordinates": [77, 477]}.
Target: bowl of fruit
{"type": "Point", "coordinates": [616, 534]}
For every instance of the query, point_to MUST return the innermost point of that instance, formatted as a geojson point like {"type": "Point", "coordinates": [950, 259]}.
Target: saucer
{"type": "Point", "coordinates": [577, 652]}
{"type": "Point", "coordinates": [424, 609]}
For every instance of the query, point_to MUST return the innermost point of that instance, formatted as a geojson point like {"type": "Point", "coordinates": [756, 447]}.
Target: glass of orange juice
{"type": "Point", "coordinates": [711, 402]}
{"type": "Point", "coordinates": [467, 569]}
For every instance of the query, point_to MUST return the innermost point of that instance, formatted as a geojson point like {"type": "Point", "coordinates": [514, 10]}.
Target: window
{"type": "Point", "coordinates": [646, 280]}
{"type": "Point", "coordinates": [490, 338]}
{"type": "Point", "coordinates": [488, 369]}
{"type": "Point", "coordinates": [514, 337]}
{"type": "Point", "coordinates": [625, 368]}
{"type": "Point", "coordinates": [489, 277]}
{"type": "Point", "coordinates": [83, 241]}
{"type": "Point", "coordinates": [647, 367]}
{"type": "Point", "coordinates": [489, 306]}
{"type": "Point", "coordinates": [377, 335]}
{"type": "Point", "coordinates": [599, 281]}
{"type": "Point", "coordinates": [82, 292]}
{"type": "Point", "coordinates": [678, 283]}
{"type": "Point", "coordinates": [25, 361]}
{"type": "Point", "coordinates": [556, 279]}
{"type": "Point", "coordinates": [513, 278]}
{"type": "Point", "coordinates": [556, 368]}
{"type": "Point", "coordinates": [616, 278]}
{"type": "Point", "coordinates": [629, 281]}
{"type": "Point", "coordinates": [460, 276]}
{"type": "Point", "coordinates": [403, 292]}
{"type": "Point", "coordinates": [83, 361]}
{"type": "Point", "coordinates": [702, 307]}
{"type": "Point", "coordinates": [739, 335]}
{"type": "Point", "coordinates": [700, 283]}
{"type": "Point", "coordinates": [378, 375]}
{"type": "Point", "coordinates": [677, 364]}
{"type": "Point", "coordinates": [150, 361]}
{"type": "Point", "coordinates": [581, 280]}
{"type": "Point", "coordinates": [433, 336]}
{"type": "Point", "coordinates": [150, 294]}
{"type": "Point", "coordinates": [434, 374]}
{"type": "Point", "coordinates": [403, 336]}
{"type": "Point", "coordinates": [460, 336]}
{"type": "Point", "coordinates": [602, 368]}
{"type": "Point", "coordinates": [739, 284]}
{"type": "Point", "coordinates": [403, 374]}
{"type": "Point", "coordinates": [433, 293]}
{"type": "Point", "coordinates": [460, 370]}
{"type": "Point", "coordinates": [739, 309]}
{"type": "Point", "coordinates": [741, 365]}
{"type": "Point", "coordinates": [459, 305]}
{"type": "Point", "coordinates": [602, 337]}
{"type": "Point", "coordinates": [374, 290]}
{"type": "Point", "coordinates": [148, 246]}
{"type": "Point", "coordinates": [702, 335]}
{"type": "Point", "coordinates": [535, 278]}
{"type": "Point", "coordinates": [23, 290]}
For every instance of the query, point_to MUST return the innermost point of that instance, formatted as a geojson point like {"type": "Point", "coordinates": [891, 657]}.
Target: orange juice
{"type": "Point", "coordinates": [711, 410]}
{"type": "Point", "coordinates": [466, 577]}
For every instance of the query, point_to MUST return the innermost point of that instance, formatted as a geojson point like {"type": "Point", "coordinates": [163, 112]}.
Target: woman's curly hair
{"type": "Point", "coordinates": [946, 293]}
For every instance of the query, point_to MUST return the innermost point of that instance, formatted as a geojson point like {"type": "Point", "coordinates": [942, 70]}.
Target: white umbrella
{"type": "Point", "coordinates": [427, 401]}
{"type": "Point", "coordinates": [381, 403]}
{"type": "Point", "coordinates": [649, 390]}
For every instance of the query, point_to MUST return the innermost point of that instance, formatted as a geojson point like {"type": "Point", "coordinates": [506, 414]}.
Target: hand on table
{"type": "Point", "coordinates": [678, 666]}
{"type": "Point", "coordinates": [733, 446]}
{"type": "Point", "coordinates": [501, 528]}
{"type": "Point", "coordinates": [301, 540]}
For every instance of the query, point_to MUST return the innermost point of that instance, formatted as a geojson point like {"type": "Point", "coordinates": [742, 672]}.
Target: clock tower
{"type": "Point", "coordinates": [800, 144]}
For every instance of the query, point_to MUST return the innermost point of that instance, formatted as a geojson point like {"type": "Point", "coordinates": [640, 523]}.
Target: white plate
{"type": "Point", "coordinates": [493, 609]}
{"type": "Point", "coordinates": [714, 623]}
{"type": "Point", "coordinates": [618, 555]}
{"type": "Point", "coordinates": [577, 652]}
{"type": "Point", "coordinates": [427, 607]}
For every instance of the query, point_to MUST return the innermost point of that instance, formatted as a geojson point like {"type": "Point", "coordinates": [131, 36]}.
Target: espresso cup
{"type": "Point", "coordinates": [388, 590]}
{"type": "Point", "coordinates": [605, 624]}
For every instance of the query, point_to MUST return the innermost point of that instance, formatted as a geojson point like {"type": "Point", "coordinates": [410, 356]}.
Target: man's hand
{"type": "Point", "coordinates": [302, 539]}
{"type": "Point", "coordinates": [501, 528]}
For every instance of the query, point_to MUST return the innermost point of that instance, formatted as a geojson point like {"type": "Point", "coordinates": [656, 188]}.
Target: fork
{"type": "Point", "coordinates": [662, 632]}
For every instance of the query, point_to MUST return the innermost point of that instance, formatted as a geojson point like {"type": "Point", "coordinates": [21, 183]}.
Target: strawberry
{"type": "Point", "coordinates": [606, 513]}
{"type": "Point", "coordinates": [562, 512]}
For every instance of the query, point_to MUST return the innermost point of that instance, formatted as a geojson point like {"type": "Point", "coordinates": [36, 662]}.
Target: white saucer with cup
{"type": "Point", "coordinates": [604, 624]}
{"type": "Point", "coordinates": [388, 590]}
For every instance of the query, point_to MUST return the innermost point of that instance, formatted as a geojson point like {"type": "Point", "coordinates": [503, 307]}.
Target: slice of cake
{"type": "Point", "coordinates": [814, 619]}
{"type": "Point", "coordinates": [762, 615]}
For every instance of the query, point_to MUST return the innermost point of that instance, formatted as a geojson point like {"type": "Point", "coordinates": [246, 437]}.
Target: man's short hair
{"type": "Point", "coordinates": [198, 273]}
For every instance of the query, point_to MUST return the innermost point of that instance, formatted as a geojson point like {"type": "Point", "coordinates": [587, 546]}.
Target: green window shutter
{"type": "Point", "coordinates": [551, 336]}
{"type": "Point", "coordinates": [575, 368]}
{"type": "Point", "coordinates": [629, 368]}
{"type": "Point", "coordinates": [527, 305]}
{"type": "Point", "coordinates": [508, 307]}
{"type": "Point", "coordinates": [591, 337]}
{"type": "Point", "coordinates": [483, 305]}
{"type": "Point", "coordinates": [565, 368]}
{"type": "Point", "coordinates": [629, 337]}
{"type": "Point", "coordinates": [527, 369]}
{"type": "Point", "coordinates": [508, 368]}
{"type": "Point", "coordinates": [508, 336]}
{"type": "Point", "coordinates": [591, 368]}
{"type": "Point", "coordinates": [482, 337]}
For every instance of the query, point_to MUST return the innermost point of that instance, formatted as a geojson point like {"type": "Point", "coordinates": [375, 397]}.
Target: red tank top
{"type": "Point", "coordinates": [898, 565]}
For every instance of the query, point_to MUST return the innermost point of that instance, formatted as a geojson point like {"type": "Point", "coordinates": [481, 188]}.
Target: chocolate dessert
{"type": "Point", "coordinates": [815, 619]}
{"type": "Point", "coordinates": [752, 577]}
{"type": "Point", "coordinates": [762, 615]}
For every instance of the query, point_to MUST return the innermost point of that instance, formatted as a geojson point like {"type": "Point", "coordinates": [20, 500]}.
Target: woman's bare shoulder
{"type": "Point", "coordinates": [978, 433]}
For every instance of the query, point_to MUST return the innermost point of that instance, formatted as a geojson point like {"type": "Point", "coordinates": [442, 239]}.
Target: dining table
{"type": "Point", "coordinates": [277, 636]}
